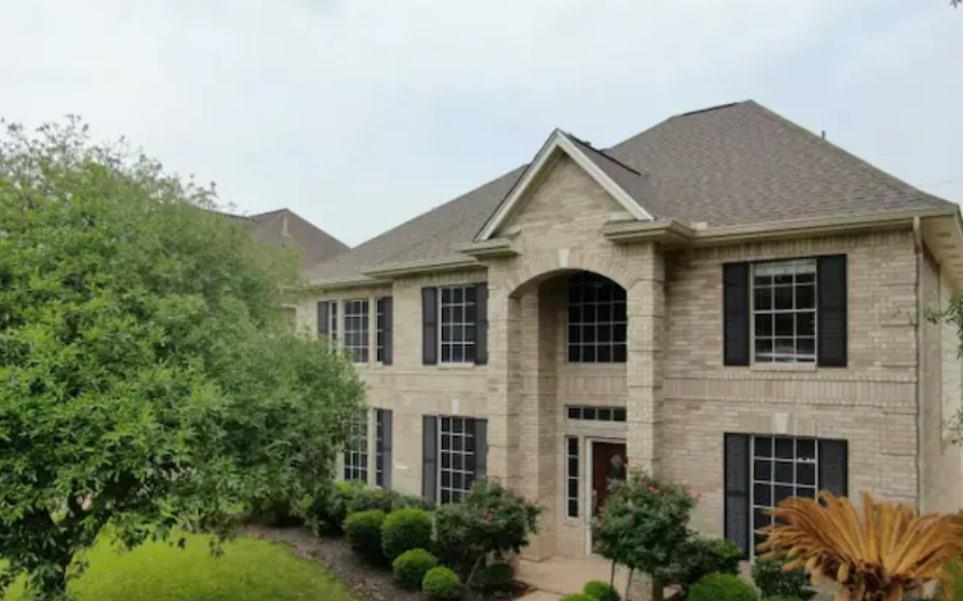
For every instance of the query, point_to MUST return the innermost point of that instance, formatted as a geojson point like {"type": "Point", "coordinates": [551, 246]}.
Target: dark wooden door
{"type": "Point", "coordinates": [608, 464]}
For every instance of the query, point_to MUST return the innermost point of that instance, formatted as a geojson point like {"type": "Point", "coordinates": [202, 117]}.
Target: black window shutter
{"type": "Point", "coordinates": [388, 308]}
{"type": "Point", "coordinates": [323, 320]}
{"type": "Point", "coordinates": [429, 326]}
{"type": "Point", "coordinates": [735, 312]}
{"type": "Point", "coordinates": [481, 325]}
{"type": "Point", "coordinates": [736, 471]}
{"type": "Point", "coordinates": [831, 311]}
{"type": "Point", "coordinates": [834, 467]}
{"type": "Point", "coordinates": [386, 462]}
{"type": "Point", "coordinates": [481, 449]}
{"type": "Point", "coordinates": [429, 457]}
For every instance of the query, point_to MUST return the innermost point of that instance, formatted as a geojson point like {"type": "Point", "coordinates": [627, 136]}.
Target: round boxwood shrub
{"type": "Point", "coordinates": [600, 591]}
{"type": "Point", "coordinates": [721, 587]}
{"type": "Point", "coordinates": [363, 530]}
{"type": "Point", "coordinates": [496, 577]}
{"type": "Point", "coordinates": [577, 597]}
{"type": "Point", "coordinates": [441, 583]}
{"type": "Point", "coordinates": [405, 529]}
{"type": "Point", "coordinates": [411, 566]}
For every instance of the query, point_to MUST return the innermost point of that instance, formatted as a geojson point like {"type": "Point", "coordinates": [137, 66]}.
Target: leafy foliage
{"type": "Point", "coordinates": [699, 556]}
{"type": "Point", "coordinates": [411, 566]}
{"type": "Point", "coordinates": [363, 531]}
{"type": "Point", "coordinates": [887, 553]}
{"type": "Point", "coordinates": [578, 597]}
{"type": "Point", "coordinates": [441, 583]}
{"type": "Point", "coordinates": [329, 509]}
{"type": "Point", "coordinates": [489, 522]}
{"type": "Point", "coordinates": [498, 577]}
{"type": "Point", "coordinates": [721, 587]}
{"type": "Point", "coordinates": [405, 529]}
{"type": "Point", "coordinates": [644, 526]}
{"type": "Point", "coordinates": [774, 581]}
{"type": "Point", "coordinates": [601, 591]}
{"type": "Point", "coordinates": [147, 378]}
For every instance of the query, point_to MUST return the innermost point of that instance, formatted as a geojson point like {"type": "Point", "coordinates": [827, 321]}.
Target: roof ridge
{"type": "Point", "coordinates": [604, 154]}
{"type": "Point", "coordinates": [711, 108]}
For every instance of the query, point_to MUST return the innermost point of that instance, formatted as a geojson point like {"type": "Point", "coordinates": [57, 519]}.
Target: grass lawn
{"type": "Point", "coordinates": [249, 570]}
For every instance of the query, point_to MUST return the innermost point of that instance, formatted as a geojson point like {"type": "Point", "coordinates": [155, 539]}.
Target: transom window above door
{"type": "Point", "coordinates": [596, 320]}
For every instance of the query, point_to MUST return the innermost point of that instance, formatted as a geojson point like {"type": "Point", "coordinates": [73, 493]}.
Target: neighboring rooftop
{"type": "Point", "coordinates": [734, 164]}
{"type": "Point", "coordinates": [286, 229]}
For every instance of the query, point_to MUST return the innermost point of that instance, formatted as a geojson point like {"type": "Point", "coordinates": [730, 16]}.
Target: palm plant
{"type": "Point", "coordinates": [886, 554]}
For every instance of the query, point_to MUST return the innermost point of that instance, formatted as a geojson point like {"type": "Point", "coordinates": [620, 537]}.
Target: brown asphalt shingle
{"type": "Point", "coordinates": [737, 164]}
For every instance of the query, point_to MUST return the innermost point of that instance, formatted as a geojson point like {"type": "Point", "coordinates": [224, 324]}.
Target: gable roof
{"type": "Point", "coordinates": [736, 164]}
{"type": "Point", "coordinates": [283, 228]}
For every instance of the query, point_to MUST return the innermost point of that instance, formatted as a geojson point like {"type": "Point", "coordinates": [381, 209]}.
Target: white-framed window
{"type": "Point", "coordinates": [782, 467]}
{"type": "Point", "coordinates": [597, 320]}
{"type": "Point", "coordinates": [457, 318]}
{"type": "Point", "coordinates": [356, 329]}
{"type": "Point", "coordinates": [356, 450]}
{"type": "Point", "coordinates": [457, 464]}
{"type": "Point", "coordinates": [784, 311]}
{"type": "Point", "coordinates": [333, 323]}
{"type": "Point", "coordinates": [571, 476]}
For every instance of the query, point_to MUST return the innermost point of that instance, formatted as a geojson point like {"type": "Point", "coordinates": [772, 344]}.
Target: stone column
{"type": "Point", "coordinates": [646, 308]}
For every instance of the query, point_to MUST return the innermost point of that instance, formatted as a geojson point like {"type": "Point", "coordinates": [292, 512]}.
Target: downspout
{"type": "Point", "coordinates": [920, 358]}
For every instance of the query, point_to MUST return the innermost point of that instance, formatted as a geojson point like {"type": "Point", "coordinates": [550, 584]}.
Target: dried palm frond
{"type": "Point", "coordinates": [886, 554]}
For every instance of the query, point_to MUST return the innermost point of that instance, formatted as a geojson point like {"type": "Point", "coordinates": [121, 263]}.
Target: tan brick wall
{"type": "Point", "coordinates": [680, 398]}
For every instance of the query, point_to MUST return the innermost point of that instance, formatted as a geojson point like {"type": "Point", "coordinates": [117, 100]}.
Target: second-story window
{"type": "Point", "coordinates": [784, 311]}
{"type": "Point", "coordinates": [458, 321]}
{"type": "Point", "coordinates": [356, 329]}
{"type": "Point", "coordinates": [596, 320]}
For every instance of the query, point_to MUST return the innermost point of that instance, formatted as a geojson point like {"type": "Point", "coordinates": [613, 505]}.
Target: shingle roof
{"type": "Point", "coordinates": [286, 229]}
{"type": "Point", "coordinates": [736, 164]}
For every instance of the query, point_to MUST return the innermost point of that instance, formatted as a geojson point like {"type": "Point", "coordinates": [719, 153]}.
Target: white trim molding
{"type": "Point", "coordinates": [558, 142]}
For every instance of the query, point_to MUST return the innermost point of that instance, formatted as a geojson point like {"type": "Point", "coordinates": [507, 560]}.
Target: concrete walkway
{"type": "Point", "coordinates": [557, 576]}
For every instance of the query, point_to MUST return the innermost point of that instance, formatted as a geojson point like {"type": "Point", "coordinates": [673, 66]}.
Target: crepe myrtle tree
{"type": "Point", "coordinates": [148, 380]}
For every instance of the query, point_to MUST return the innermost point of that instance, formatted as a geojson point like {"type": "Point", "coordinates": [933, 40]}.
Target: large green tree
{"type": "Point", "coordinates": [148, 380]}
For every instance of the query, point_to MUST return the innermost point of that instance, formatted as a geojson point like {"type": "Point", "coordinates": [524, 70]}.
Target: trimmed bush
{"type": "Point", "coordinates": [600, 591]}
{"type": "Point", "coordinates": [721, 587]}
{"type": "Point", "coordinates": [496, 578]}
{"type": "Point", "coordinates": [577, 597]}
{"type": "Point", "coordinates": [405, 529]}
{"type": "Point", "coordinates": [329, 510]}
{"type": "Point", "coordinates": [441, 583]}
{"type": "Point", "coordinates": [774, 582]}
{"type": "Point", "coordinates": [411, 566]}
{"type": "Point", "coordinates": [368, 498]}
{"type": "Point", "coordinates": [363, 530]}
{"type": "Point", "coordinates": [698, 557]}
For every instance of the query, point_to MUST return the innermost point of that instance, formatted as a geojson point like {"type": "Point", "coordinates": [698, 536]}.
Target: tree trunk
{"type": "Point", "coordinates": [612, 575]}
{"type": "Point", "coordinates": [628, 584]}
{"type": "Point", "coordinates": [658, 588]}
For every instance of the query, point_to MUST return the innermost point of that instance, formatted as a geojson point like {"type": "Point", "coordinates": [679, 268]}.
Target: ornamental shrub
{"type": "Point", "coordinates": [441, 583]}
{"type": "Point", "coordinates": [411, 566]}
{"type": "Point", "coordinates": [367, 498]}
{"type": "Point", "coordinates": [577, 597]}
{"type": "Point", "coordinates": [496, 577]}
{"type": "Point", "coordinates": [330, 508]}
{"type": "Point", "coordinates": [601, 591]}
{"type": "Point", "coordinates": [489, 522]}
{"type": "Point", "coordinates": [363, 530]}
{"type": "Point", "coordinates": [774, 582]}
{"type": "Point", "coordinates": [782, 598]}
{"type": "Point", "coordinates": [405, 529]}
{"type": "Point", "coordinates": [721, 587]}
{"type": "Point", "coordinates": [699, 556]}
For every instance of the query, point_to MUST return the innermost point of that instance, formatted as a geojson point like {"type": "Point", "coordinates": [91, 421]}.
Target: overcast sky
{"type": "Point", "coordinates": [360, 115]}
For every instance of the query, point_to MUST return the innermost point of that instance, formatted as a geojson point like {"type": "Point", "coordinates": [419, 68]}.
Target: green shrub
{"type": "Point", "coordinates": [782, 598]}
{"type": "Point", "coordinates": [496, 577]}
{"type": "Point", "coordinates": [330, 508]}
{"type": "Point", "coordinates": [441, 583]}
{"type": "Point", "coordinates": [577, 597]}
{"type": "Point", "coordinates": [405, 529]}
{"type": "Point", "coordinates": [368, 498]}
{"type": "Point", "coordinates": [411, 566]}
{"type": "Point", "coordinates": [403, 501]}
{"type": "Point", "coordinates": [363, 530]}
{"type": "Point", "coordinates": [774, 582]}
{"type": "Point", "coordinates": [700, 556]}
{"type": "Point", "coordinates": [600, 591]}
{"type": "Point", "coordinates": [721, 587]}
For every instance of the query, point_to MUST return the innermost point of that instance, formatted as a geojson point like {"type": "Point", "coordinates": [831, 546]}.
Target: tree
{"type": "Point", "coordinates": [148, 380]}
{"type": "Point", "coordinates": [887, 553]}
{"type": "Point", "coordinates": [644, 526]}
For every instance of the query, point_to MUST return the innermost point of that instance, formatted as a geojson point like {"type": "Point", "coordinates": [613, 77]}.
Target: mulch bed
{"type": "Point", "coordinates": [367, 582]}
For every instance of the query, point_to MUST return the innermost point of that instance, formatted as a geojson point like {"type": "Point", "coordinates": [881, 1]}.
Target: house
{"type": "Point", "coordinates": [724, 299]}
{"type": "Point", "coordinates": [283, 228]}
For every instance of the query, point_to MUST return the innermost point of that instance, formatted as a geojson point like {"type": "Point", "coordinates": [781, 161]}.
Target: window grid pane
{"type": "Point", "coordinates": [356, 329]}
{"type": "Point", "coordinates": [784, 311]}
{"type": "Point", "coordinates": [571, 476]}
{"type": "Point", "coordinates": [380, 329]}
{"type": "Point", "coordinates": [379, 448]}
{"type": "Point", "coordinates": [333, 325]}
{"type": "Point", "coordinates": [356, 450]}
{"type": "Point", "coordinates": [782, 467]}
{"type": "Point", "coordinates": [456, 454]}
{"type": "Point", "coordinates": [457, 318]}
{"type": "Point", "coordinates": [596, 320]}
{"type": "Point", "coordinates": [601, 414]}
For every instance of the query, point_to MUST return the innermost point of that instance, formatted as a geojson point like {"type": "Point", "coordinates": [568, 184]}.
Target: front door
{"type": "Point", "coordinates": [608, 466]}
